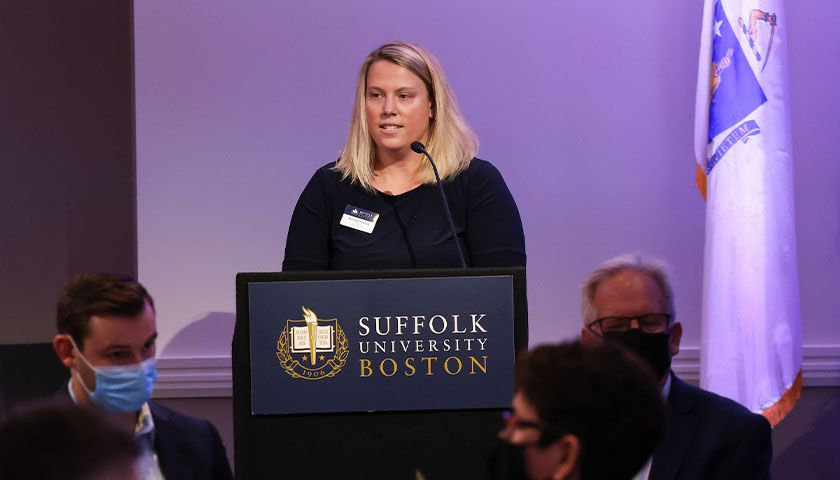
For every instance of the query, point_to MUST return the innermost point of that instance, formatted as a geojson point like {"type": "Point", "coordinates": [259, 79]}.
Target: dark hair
{"type": "Point", "coordinates": [63, 443]}
{"type": "Point", "coordinates": [98, 294]}
{"type": "Point", "coordinates": [604, 395]}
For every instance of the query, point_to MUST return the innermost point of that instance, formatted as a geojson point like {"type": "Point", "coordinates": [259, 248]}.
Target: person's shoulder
{"type": "Point", "coordinates": [329, 168]}
{"type": "Point", "coordinates": [328, 173]}
{"type": "Point", "coordinates": [480, 173]}
{"type": "Point", "coordinates": [479, 166]}
{"type": "Point", "coordinates": [163, 414]}
{"type": "Point", "coordinates": [721, 408]}
{"type": "Point", "coordinates": [328, 179]}
{"type": "Point", "coordinates": [188, 444]}
{"type": "Point", "coordinates": [161, 411]}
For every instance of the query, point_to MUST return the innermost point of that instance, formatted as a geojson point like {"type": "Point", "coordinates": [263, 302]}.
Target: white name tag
{"type": "Point", "coordinates": [359, 219]}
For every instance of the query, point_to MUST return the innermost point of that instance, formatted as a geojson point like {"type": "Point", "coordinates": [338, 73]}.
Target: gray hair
{"type": "Point", "coordinates": [653, 268]}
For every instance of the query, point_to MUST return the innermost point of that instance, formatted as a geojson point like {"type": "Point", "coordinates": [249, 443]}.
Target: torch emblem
{"type": "Point", "coordinates": [312, 348]}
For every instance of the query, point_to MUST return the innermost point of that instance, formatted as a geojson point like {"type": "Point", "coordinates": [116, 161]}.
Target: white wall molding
{"type": "Point", "coordinates": [687, 364]}
{"type": "Point", "coordinates": [820, 365]}
{"type": "Point", "coordinates": [194, 377]}
{"type": "Point", "coordinates": [202, 377]}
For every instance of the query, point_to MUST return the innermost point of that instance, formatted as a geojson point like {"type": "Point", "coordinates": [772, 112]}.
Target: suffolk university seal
{"type": "Point", "coordinates": [312, 348]}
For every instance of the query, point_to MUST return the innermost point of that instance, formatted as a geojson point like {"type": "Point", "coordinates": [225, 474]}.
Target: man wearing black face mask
{"type": "Point", "coordinates": [630, 301]}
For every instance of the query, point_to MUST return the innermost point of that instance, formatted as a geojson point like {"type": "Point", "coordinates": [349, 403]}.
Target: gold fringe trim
{"type": "Point", "coordinates": [701, 181]}
{"type": "Point", "coordinates": [775, 413]}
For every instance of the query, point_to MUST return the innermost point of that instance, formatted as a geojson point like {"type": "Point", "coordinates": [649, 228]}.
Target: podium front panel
{"type": "Point", "coordinates": [322, 389]}
{"type": "Point", "coordinates": [387, 344]}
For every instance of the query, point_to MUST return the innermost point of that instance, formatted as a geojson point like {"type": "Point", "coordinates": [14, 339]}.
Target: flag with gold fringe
{"type": "Point", "coordinates": [751, 343]}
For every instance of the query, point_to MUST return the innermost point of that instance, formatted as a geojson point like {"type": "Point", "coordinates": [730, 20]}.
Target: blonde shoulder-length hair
{"type": "Point", "coordinates": [452, 143]}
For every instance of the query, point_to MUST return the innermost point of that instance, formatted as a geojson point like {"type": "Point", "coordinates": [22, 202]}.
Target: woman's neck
{"type": "Point", "coordinates": [396, 174]}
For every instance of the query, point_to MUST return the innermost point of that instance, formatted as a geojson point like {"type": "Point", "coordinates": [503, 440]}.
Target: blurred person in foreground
{"type": "Point", "coordinates": [65, 443]}
{"type": "Point", "coordinates": [629, 300]}
{"type": "Point", "coordinates": [106, 337]}
{"type": "Point", "coordinates": [583, 413]}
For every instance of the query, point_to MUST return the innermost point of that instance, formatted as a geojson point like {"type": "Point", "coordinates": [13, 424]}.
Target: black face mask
{"type": "Point", "coordinates": [653, 348]}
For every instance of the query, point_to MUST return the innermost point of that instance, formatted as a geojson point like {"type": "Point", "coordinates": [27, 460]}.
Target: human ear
{"type": "Point", "coordinates": [65, 351]}
{"type": "Point", "coordinates": [676, 335]}
{"type": "Point", "coordinates": [568, 448]}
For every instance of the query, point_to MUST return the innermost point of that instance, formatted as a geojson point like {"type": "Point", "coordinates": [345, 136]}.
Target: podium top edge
{"type": "Point", "coordinates": [251, 277]}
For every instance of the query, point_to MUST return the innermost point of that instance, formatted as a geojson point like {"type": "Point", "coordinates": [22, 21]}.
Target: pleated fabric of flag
{"type": "Point", "coordinates": [751, 347]}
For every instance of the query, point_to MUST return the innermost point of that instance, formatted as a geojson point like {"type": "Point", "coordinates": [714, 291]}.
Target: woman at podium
{"type": "Point", "coordinates": [379, 205]}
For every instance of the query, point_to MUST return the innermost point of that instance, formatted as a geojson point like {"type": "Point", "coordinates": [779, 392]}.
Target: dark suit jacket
{"type": "Point", "coordinates": [188, 448]}
{"type": "Point", "coordinates": [711, 437]}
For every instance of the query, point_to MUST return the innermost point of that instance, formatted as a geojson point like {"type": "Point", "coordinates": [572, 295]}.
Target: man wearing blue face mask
{"type": "Point", "coordinates": [629, 300]}
{"type": "Point", "coordinates": [106, 337]}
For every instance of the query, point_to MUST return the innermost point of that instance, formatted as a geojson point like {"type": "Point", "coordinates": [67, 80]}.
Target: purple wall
{"type": "Point", "coordinates": [585, 107]}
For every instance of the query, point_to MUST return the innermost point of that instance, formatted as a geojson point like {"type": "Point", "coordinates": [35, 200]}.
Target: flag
{"type": "Point", "coordinates": [751, 340]}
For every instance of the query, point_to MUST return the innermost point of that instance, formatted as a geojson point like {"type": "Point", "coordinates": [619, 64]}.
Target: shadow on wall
{"type": "Point", "coordinates": [807, 440]}
{"type": "Point", "coordinates": [210, 335]}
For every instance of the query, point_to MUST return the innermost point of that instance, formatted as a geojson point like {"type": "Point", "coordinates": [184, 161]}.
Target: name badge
{"type": "Point", "coordinates": [359, 219]}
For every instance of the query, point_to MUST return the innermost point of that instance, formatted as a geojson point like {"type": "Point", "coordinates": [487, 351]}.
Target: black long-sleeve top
{"type": "Point", "coordinates": [411, 231]}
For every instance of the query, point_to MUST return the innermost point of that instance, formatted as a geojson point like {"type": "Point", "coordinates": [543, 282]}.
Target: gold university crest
{"type": "Point", "coordinates": [312, 348]}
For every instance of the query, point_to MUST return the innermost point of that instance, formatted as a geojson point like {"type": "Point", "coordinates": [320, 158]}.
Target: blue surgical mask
{"type": "Point", "coordinates": [121, 388]}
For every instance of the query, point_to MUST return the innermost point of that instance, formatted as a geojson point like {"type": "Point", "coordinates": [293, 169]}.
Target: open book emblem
{"type": "Point", "coordinates": [312, 348]}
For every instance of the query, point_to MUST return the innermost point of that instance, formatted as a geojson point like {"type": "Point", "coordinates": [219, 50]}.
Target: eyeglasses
{"type": "Point", "coordinates": [539, 433]}
{"type": "Point", "coordinates": [513, 421]}
{"type": "Point", "coordinates": [648, 323]}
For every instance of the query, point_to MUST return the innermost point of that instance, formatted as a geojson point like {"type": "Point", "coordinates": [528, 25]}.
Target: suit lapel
{"type": "Point", "coordinates": [167, 445]}
{"type": "Point", "coordinates": [673, 447]}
